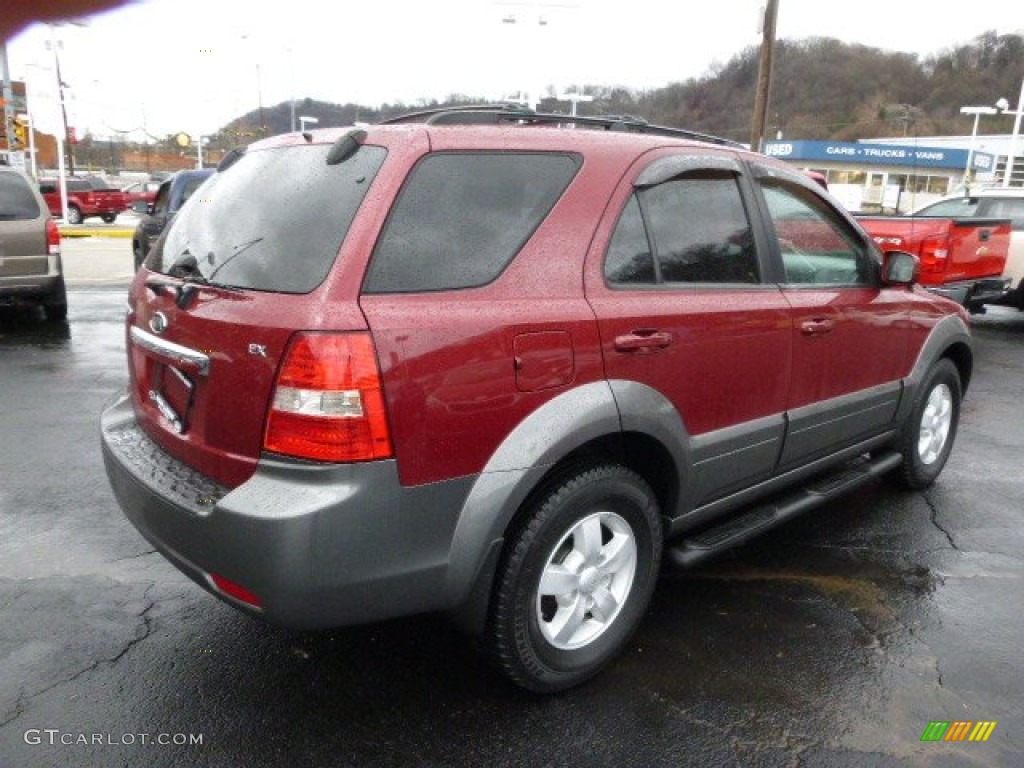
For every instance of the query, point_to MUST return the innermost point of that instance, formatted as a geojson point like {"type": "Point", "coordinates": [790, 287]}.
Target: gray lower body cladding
{"type": "Point", "coordinates": [320, 546]}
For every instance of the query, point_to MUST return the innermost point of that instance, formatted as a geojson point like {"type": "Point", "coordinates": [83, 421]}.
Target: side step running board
{"type": "Point", "coordinates": [709, 542]}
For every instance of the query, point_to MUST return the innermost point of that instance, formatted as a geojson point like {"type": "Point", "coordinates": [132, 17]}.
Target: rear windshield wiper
{"type": "Point", "coordinates": [186, 269]}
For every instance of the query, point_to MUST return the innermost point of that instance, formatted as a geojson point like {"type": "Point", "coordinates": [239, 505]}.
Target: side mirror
{"type": "Point", "coordinates": [140, 206]}
{"type": "Point", "coordinates": [899, 268]}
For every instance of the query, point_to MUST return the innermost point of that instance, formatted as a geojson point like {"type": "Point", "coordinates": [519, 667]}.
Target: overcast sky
{"type": "Point", "coordinates": [192, 65]}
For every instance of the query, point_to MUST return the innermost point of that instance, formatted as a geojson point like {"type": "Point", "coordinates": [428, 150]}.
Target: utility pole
{"type": "Point", "coordinates": [8, 96]}
{"type": "Point", "coordinates": [764, 73]}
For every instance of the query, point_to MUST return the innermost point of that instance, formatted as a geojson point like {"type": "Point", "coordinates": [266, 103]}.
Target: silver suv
{"type": "Point", "coordinates": [30, 265]}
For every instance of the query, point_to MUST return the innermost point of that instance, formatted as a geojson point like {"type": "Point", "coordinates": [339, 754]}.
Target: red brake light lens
{"type": "Point", "coordinates": [52, 237]}
{"type": "Point", "coordinates": [934, 254]}
{"type": "Point", "coordinates": [328, 404]}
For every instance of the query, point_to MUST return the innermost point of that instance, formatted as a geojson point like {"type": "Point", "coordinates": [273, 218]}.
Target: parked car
{"type": "Point", "coordinates": [30, 265]}
{"type": "Point", "coordinates": [501, 368]}
{"type": "Point", "coordinates": [88, 196]}
{"type": "Point", "coordinates": [141, 190]}
{"type": "Point", "coordinates": [171, 194]}
{"type": "Point", "coordinates": [963, 259]}
{"type": "Point", "coordinates": [992, 203]}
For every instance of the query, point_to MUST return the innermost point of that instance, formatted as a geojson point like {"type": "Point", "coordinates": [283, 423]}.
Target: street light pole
{"type": "Point", "coordinates": [977, 112]}
{"type": "Point", "coordinates": [1011, 155]}
{"type": "Point", "coordinates": [303, 119]}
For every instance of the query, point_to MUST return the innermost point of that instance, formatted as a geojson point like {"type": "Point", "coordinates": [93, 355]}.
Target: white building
{"type": "Point", "coordinates": [902, 173]}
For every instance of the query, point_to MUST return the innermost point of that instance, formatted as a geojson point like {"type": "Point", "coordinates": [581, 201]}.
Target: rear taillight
{"type": "Point", "coordinates": [52, 238]}
{"type": "Point", "coordinates": [934, 254]}
{"type": "Point", "coordinates": [328, 404]}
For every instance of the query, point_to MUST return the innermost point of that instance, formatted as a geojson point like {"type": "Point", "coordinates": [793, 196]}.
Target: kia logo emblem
{"type": "Point", "coordinates": [158, 322]}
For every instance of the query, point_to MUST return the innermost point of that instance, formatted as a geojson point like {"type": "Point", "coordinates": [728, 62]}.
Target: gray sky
{"type": "Point", "coordinates": [192, 65]}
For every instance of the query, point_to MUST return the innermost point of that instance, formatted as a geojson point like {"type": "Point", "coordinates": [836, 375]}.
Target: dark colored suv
{"type": "Point", "coordinates": [154, 216]}
{"type": "Point", "coordinates": [498, 368]}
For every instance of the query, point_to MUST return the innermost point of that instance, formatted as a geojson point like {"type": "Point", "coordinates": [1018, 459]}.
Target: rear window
{"type": "Point", "coordinates": [17, 203]}
{"type": "Point", "coordinates": [273, 221]}
{"type": "Point", "coordinates": [462, 217]}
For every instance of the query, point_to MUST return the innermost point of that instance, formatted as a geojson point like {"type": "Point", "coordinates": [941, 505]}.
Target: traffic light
{"type": "Point", "coordinates": [20, 132]}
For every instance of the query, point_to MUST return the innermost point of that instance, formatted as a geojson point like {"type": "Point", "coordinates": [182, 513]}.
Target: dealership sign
{"type": "Point", "coordinates": [857, 153]}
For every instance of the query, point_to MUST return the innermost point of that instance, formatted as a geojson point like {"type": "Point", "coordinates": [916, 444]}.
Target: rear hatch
{"type": "Point", "coordinates": [23, 241]}
{"type": "Point", "coordinates": [225, 288]}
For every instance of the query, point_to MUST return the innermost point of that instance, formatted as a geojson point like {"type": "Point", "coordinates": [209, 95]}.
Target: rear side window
{"type": "Point", "coordinates": [17, 203]}
{"type": "Point", "coordinates": [461, 218]}
{"type": "Point", "coordinates": [692, 229]}
{"type": "Point", "coordinates": [273, 221]}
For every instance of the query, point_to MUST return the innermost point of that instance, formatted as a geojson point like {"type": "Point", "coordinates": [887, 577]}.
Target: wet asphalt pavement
{"type": "Point", "coordinates": [832, 641]}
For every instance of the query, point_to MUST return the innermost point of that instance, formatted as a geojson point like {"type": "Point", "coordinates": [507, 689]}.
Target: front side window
{"type": "Point", "coordinates": [692, 229]}
{"type": "Point", "coordinates": [817, 247]}
{"type": "Point", "coordinates": [461, 218]}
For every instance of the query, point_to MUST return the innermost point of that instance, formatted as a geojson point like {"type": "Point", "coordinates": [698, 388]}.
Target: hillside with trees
{"type": "Point", "coordinates": [821, 89]}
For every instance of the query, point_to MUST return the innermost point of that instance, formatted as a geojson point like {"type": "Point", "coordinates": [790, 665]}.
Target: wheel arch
{"type": "Point", "coordinates": [963, 358]}
{"type": "Point", "coordinates": [949, 338]}
{"type": "Point", "coordinates": [583, 426]}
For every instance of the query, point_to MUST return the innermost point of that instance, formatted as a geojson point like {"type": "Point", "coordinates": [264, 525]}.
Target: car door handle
{"type": "Point", "coordinates": [817, 327]}
{"type": "Point", "coordinates": [985, 235]}
{"type": "Point", "coordinates": [643, 340]}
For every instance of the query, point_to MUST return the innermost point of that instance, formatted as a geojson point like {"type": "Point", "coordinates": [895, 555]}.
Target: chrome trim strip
{"type": "Point", "coordinates": [166, 411]}
{"type": "Point", "coordinates": [176, 352]}
{"type": "Point", "coordinates": [186, 382]}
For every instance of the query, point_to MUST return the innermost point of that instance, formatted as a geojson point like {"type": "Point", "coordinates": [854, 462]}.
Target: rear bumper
{"type": "Point", "coordinates": [982, 291]}
{"type": "Point", "coordinates": [319, 545]}
{"type": "Point", "coordinates": [31, 287]}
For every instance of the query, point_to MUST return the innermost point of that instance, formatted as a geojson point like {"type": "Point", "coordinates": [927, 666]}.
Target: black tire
{"type": "Point", "coordinates": [56, 305]}
{"type": "Point", "coordinates": [109, 218]}
{"type": "Point", "coordinates": [927, 437]}
{"type": "Point", "coordinates": [600, 510]}
{"type": "Point", "coordinates": [74, 214]}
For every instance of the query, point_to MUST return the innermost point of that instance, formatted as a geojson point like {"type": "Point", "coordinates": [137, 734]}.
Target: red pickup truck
{"type": "Point", "coordinates": [962, 259]}
{"type": "Point", "coordinates": [89, 196]}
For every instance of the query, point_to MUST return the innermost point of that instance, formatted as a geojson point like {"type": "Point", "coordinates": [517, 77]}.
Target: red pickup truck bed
{"type": "Point", "coordinates": [960, 258]}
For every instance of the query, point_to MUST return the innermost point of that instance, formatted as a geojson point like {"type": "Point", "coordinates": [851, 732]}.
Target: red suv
{"type": "Point", "coordinates": [498, 363]}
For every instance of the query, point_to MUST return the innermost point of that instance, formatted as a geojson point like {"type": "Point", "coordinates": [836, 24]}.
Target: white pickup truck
{"type": "Point", "coordinates": [992, 202]}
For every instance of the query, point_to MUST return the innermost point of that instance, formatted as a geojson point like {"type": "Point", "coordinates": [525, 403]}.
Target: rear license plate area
{"type": "Point", "coordinates": [173, 393]}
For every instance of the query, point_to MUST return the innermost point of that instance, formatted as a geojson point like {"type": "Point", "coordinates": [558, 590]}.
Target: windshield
{"type": "Point", "coordinates": [273, 221]}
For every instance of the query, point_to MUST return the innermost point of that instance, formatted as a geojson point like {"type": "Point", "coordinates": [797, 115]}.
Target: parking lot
{"type": "Point", "coordinates": [833, 641]}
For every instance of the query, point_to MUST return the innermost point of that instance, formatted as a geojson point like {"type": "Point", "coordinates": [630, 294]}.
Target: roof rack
{"type": "Point", "coordinates": [494, 114]}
